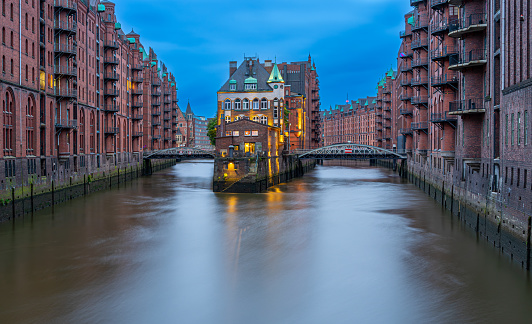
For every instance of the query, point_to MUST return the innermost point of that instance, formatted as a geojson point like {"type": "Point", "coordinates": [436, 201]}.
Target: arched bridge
{"type": "Point", "coordinates": [350, 152]}
{"type": "Point", "coordinates": [181, 153]}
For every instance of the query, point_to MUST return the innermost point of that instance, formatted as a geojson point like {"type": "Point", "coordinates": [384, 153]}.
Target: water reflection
{"type": "Point", "coordinates": [343, 244]}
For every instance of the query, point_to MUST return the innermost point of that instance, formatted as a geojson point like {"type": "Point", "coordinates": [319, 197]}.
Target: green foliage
{"type": "Point", "coordinates": [286, 116]}
{"type": "Point", "coordinates": [211, 130]}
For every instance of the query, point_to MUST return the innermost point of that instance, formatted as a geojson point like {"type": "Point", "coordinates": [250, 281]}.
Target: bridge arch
{"type": "Point", "coordinates": [350, 151]}
{"type": "Point", "coordinates": [181, 153]}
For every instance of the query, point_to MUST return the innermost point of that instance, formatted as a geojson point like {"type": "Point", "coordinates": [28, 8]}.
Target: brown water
{"type": "Point", "coordinates": [340, 245]}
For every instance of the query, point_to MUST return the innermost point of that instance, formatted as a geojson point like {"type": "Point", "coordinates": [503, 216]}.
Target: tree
{"type": "Point", "coordinates": [211, 130]}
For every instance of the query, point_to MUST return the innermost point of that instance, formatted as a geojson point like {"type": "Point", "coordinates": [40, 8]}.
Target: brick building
{"type": "Point", "coordinates": [78, 94]}
{"type": "Point", "coordinates": [459, 103]}
{"type": "Point", "coordinates": [355, 123]}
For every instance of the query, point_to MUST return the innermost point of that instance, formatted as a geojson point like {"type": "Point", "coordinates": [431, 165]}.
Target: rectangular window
{"type": "Point", "coordinates": [228, 133]}
{"type": "Point", "coordinates": [247, 133]}
{"type": "Point", "coordinates": [518, 128]}
{"type": "Point", "coordinates": [236, 133]}
{"type": "Point", "coordinates": [518, 177]}
{"type": "Point", "coordinates": [507, 130]}
{"type": "Point", "coordinates": [525, 178]}
{"type": "Point", "coordinates": [512, 139]}
{"type": "Point", "coordinates": [254, 133]}
{"type": "Point", "coordinates": [526, 128]}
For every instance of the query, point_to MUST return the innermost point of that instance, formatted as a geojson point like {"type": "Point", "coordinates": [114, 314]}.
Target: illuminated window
{"type": "Point", "coordinates": [256, 104]}
{"type": "Point", "coordinates": [264, 120]}
{"type": "Point", "coordinates": [256, 119]}
{"type": "Point", "coordinates": [228, 133]}
{"type": "Point", "coordinates": [236, 133]}
{"type": "Point", "coordinates": [247, 133]}
{"type": "Point", "coordinates": [245, 104]}
{"type": "Point", "coordinates": [264, 103]}
{"type": "Point", "coordinates": [227, 104]}
{"type": "Point", "coordinates": [228, 119]}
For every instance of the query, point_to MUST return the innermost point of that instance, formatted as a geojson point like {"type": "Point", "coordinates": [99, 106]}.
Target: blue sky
{"type": "Point", "coordinates": [353, 42]}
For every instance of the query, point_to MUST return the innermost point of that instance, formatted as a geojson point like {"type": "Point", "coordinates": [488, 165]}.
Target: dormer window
{"type": "Point", "coordinates": [250, 84]}
{"type": "Point", "coordinates": [232, 85]}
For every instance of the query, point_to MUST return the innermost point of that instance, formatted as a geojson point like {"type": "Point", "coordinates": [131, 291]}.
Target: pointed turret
{"type": "Point", "coordinates": [275, 76]}
{"type": "Point", "coordinates": [189, 114]}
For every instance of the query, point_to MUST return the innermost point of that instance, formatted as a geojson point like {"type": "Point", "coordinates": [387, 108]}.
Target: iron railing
{"type": "Point", "coordinates": [467, 105]}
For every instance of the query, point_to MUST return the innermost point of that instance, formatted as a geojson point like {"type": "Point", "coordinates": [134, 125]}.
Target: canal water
{"type": "Point", "coordinates": [344, 244]}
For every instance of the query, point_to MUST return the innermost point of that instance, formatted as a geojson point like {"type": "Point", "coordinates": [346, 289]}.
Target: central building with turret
{"type": "Point", "coordinates": [254, 95]}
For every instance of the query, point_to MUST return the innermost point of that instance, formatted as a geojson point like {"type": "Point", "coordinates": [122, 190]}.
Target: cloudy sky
{"type": "Point", "coordinates": [353, 42]}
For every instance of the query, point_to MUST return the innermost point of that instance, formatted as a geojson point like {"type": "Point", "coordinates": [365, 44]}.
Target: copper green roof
{"type": "Point", "coordinates": [250, 80]}
{"type": "Point", "coordinates": [275, 76]}
{"type": "Point", "coordinates": [131, 40]}
{"type": "Point", "coordinates": [390, 73]}
{"type": "Point", "coordinates": [101, 8]}
{"type": "Point", "coordinates": [118, 26]}
{"type": "Point", "coordinates": [232, 81]}
{"type": "Point", "coordinates": [411, 20]}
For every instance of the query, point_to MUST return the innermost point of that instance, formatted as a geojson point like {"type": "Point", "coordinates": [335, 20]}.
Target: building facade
{"type": "Point", "coordinates": [78, 94]}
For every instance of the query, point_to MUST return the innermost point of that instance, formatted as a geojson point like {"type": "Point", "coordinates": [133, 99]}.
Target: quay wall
{"type": "Point", "coordinates": [257, 174]}
{"type": "Point", "coordinates": [482, 210]}
{"type": "Point", "coordinates": [19, 201]}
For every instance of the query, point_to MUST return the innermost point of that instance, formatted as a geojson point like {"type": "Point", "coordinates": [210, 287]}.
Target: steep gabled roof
{"type": "Point", "coordinates": [243, 72]}
{"type": "Point", "coordinates": [189, 110]}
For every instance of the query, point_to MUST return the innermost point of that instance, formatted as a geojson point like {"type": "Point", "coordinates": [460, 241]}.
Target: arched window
{"type": "Point", "coordinates": [3, 64]}
{"type": "Point", "coordinates": [124, 148]}
{"type": "Point", "coordinates": [3, 7]}
{"type": "Point", "coordinates": [92, 133]}
{"type": "Point", "coordinates": [26, 72]}
{"type": "Point", "coordinates": [245, 104]}
{"type": "Point", "coordinates": [26, 47]}
{"type": "Point", "coordinates": [32, 49]}
{"type": "Point", "coordinates": [227, 119]}
{"type": "Point", "coordinates": [81, 131]}
{"type": "Point", "coordinates": [237, 104]}
{"type": "Point", "coordinates": [9, 118]}
{"type": "Point", "coordinates": [12, 39]}
{"type": "Point", "coordinates": [275, 108]}
{"type": "Point", "coordinates": [26, 22]}
{"type": "Point", "coordinates": [32, 75]}
{"type": "Point", "coordinates": [264, 103]}
{"type": "Point", "coordinates": [255, 104]}
{"type": "Point", "coordinates": [256, 119]}
{"type": "Point", "coordinates": [11, 66]}
{"type": "Point", "coordinates": [11, 11]}
{"type": "Point", "coordinates": [227, 104]}
{"type": "Point", "coordinates": [30, 126]}
{"type": "Point", "coordinates": [264, 120]}
{"type": "Point", "coordinates": [3, 35]}
{"type": "Point", "coordinates": [33, 25]}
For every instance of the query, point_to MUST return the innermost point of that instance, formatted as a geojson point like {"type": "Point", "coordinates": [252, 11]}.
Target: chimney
{"type": "Point", "coordinates": [232, 67]}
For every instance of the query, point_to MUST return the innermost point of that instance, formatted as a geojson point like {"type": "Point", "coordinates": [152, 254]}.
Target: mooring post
{"type": "Point", "coordinates": [32, 207]}
{"type": "Point", "coordinates": [13, 203]}
{"type": "Point", "coordinates": [528, 244]}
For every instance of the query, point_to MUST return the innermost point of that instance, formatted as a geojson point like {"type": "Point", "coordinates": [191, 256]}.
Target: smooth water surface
{"type": "Point", "coordinates": [344, 244]}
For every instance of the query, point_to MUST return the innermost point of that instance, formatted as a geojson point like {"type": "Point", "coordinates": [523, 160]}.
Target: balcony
{"type": "Point", "coordinates": [156, 137]}
{"type": "Point", "coordinates": [167, 101]}
{"type": "Point", "coordinates": [469, 24]}
{"type": "Point", "coordinates": [405, 97]}
{"type": "Point", "coordinates": [443, 53]}
{"type": "Point", "coordinates": [137, 67]}
{"type": "Point", "coordinates": [420, 80]}
{"type": "Point", "coordinates": [137, 104]}
{"type": "Point", "coordinates": [438, 4]}
{"type": "Point", "coordinates": [65, 48]}
{"type": "Point", "coordinates": [405, 67]}
{"type": "Point", "coordinates": [66, 93]}
{"type": "Point", "coordinates": [66, 124]}
{"type": "Point", "coordinates": [156, 123]}
{"type": "Point", "coordinates": [111, 93]}
{"type": "Point", "coordinates": [110, 108]}
{"type": "Point", "coordinates": [155, 82]}
{"type": "Point", "coordinates": [66, 5]}
{"type": "Point", "coordinates": [65, 70]}
{"type": "Point", "coordinates": [155, 102]}
{"type": "Point", "coordinates": [110, 60]}
{"type": "Point", "coordinates": [406, 111]}
{"type": "Point", "coordinates": [406, 55]}
{"type": "Point", "coordinates": [420, 23]}
{"type": "Point", "coordinates": [420, 100]}
{"type": "Point", "coordinates": [423, 152]}
{"type": "Point", "coordinates": [111, 76]}
{"type": "Point", "coordinates": [420, 62]}
{"type": "Point", "coordinates": [167, 109]}
{"type": "Point", "coordinates": [111, 130]}
{"type": "Point", "coordinates": [439, 27]}
{"type": "Point", "coordinates": [63, 26]}
{"type": "Point", "coordinates": [137, 117]}
{"type": "Point", "coordinates": [473, 58]}
{"type": "Point", "coordinates": [405, 83]}
{"type": "Point", "coordinates": [136, 92]}
{"type": "Point", "coordinates": [156, 93]}
{"type": "Point", "coordinates": [450, 79]}
{"type": "Point", "coordinates": [468, 106]}
{"type": "Point", "coordinates": [440, 118]}
{"type": "Point", "coordinates": [415, 3]}
{"type": "Point", "coordinates": [403, 34]}
{"type": "Point", "coordinates": [156, 112]}
{"type": "Point", "coordinates": [112, 45]}
{"type": "Point", "coordinates": [137, 79]}
{"type": "Point", "coordinates": [420, 126]}
{"type": "Point", "coordinates": [387, 91]}
{"type": "Point", "coordinates": [137, 134]}
{"type": "Point", "coordinates": [419, 43]}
